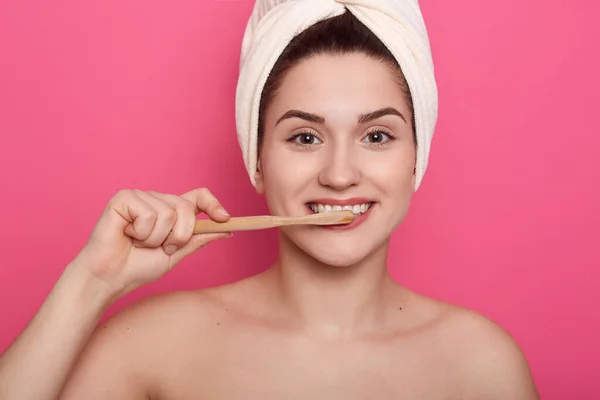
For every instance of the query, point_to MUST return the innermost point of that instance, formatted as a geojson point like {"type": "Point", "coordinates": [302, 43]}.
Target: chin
{"type": "Point", "coordinates": [334, 251]}
{"type": "Point", "coordinates": [341, 259]}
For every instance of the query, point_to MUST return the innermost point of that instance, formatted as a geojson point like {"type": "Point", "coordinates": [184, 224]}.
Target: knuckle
{"type": "Point", "coordinates": [177, 237]}
{"type": "Point", "coordinates": [119, 200]}
{"type": "Point", "coordinates": [185, 218]}
{"type": "Point", "coordinates": [157, 194]}
{"type": "Point", "coordinates": [169, 214]}
{"type": "Point", "coordinates": [184, 209]}
{"type": "Point", "coordinates": [149, 215]}
{"type": "Point", "coordinates": [204, 192]}
{"type": "Point", "coordinates": [125, 192]}
{"type": "Point", "coordinates": [187, 206]}
{"type": "Point", "coordinates": [214, 205]}
{"type": "Point", "coordinates": [122, 194]}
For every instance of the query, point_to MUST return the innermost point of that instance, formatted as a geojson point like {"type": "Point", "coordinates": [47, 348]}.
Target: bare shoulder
{"type": "Point", "coordinates": [119, 360]}
{"type": "Point", "coordinates": [164, 323]}
{"type": "Point", "coordinates": [146, 342]}
{"type": "Point", "coordinates": [492, 364]}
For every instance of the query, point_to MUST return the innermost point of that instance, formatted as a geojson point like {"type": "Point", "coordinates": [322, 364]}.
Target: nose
{"type": "Point", "coordinates": [341, 169]}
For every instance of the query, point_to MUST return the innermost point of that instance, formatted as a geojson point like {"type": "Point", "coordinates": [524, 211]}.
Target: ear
{"type": "Point", "coordinates": [258, 179]}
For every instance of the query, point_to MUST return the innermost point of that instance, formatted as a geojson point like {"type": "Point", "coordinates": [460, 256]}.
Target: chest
{"type": "Point", "coordinates": [255, 368]}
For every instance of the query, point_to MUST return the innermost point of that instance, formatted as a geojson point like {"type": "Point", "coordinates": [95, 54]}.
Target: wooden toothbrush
{"type": "Point", "coordinates": [268, 221]}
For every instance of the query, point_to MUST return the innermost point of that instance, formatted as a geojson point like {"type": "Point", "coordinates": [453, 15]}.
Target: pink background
{"type": "Point", "coordinates": [99, 96]}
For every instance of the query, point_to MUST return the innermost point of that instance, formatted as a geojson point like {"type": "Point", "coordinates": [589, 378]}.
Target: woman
{"type": "Point", "coordinates": [326, 321]}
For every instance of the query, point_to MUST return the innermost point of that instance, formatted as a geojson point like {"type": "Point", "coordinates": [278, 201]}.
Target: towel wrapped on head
{"type": "Point", "coordinates": [273, 24]}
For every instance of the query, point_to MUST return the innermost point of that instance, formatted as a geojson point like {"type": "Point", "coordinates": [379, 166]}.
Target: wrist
{"type": "Point", "coordinates": [85, 288]}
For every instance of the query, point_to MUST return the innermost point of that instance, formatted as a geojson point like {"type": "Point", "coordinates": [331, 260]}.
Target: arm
{"type": "Point", "coordinates": [39, 361]}
{"type": "Point", "coordinates": [139, 237]}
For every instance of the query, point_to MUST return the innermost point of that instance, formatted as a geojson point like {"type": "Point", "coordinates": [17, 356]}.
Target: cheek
{"type": "Point", "coordinates": [285, 174]}
{"type": "Point", "coordinates": [276, 171]}
{"type": "Point", "coordinates": [392, 172]}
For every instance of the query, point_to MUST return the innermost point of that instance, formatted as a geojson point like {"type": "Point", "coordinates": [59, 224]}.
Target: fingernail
{"type": "Point", "coordinates": [225, 213]}
{"type": "Point", "coordinates": [170, 249]}
{"type": "Point", "coordinates": [228, 236]}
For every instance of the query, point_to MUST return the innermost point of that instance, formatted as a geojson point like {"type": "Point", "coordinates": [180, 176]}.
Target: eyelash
{"type": "Point", "coordinates": [386, 132]}
{"type": "Point", "coordinates": [389, 134]}
{"type": "Point", "coordinates": [296, 135]}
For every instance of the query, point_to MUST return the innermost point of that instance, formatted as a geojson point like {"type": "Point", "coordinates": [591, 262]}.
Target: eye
{"type": "Point", "coordinates": [378, 137]}
{"type": "Point", "coordinates": [305, 139]}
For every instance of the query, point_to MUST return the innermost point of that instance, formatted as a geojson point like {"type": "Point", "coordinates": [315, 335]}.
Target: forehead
{"type": "Point", "coordinates": [351, 83]}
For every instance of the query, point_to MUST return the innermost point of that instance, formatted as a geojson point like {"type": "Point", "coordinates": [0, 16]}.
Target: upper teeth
{"type": "Point", "coordinates": [356, 209]}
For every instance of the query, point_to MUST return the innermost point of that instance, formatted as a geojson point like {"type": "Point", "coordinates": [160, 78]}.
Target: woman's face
{"type": "Point", "coordinates": [339, 133]}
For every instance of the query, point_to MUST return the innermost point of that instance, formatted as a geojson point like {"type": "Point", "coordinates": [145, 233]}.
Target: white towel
{"type": "Point", "coordinates": [397, 23]}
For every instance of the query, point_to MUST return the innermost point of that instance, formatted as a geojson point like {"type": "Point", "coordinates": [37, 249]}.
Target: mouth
{"type": "Point", "coordinates": [360, 207]}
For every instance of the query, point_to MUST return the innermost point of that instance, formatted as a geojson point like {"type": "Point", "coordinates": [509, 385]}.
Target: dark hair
{"type": "Point", "coordinates": [338, 35]}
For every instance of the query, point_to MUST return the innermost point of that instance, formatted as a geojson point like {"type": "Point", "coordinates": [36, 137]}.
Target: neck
{"type": "Point", "coordinates": [331, 302]}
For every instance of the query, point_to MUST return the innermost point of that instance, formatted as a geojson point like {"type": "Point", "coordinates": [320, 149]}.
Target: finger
{"type": "Point", "coordinates": [196, 243]}
{"type": "Point", "coordinates": [139, 216]}
{"type": "Point", "coordinates": [205, 202]}
{"type": "Point", "coordinates": [182, 231]}
{"type": "Point", "coordinates": [165, 220]}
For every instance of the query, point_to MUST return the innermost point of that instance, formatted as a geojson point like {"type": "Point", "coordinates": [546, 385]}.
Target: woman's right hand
{"type": "Point", "coordinates": [142, 235]}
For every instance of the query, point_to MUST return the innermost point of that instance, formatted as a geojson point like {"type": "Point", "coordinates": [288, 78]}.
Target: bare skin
{"type": "Point", "coordinates": [232, 342]}
{"type": "Point", "coordinates": [325, 322]}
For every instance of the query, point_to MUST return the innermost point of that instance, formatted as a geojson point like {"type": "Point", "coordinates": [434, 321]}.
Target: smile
{"type": "Point", "coordinates": [357, 209]}
{"type": "Point", "coordinates": [361, 207]}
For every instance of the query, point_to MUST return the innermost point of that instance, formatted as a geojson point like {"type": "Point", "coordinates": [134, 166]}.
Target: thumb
{"type": "Point", "coordinates": [196, 242]}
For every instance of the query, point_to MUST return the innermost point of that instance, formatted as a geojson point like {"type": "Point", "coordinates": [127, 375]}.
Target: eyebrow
{"type": "Point", "coordinates": [302, 115]}
{"type": "Point", "coordinates": [321, 120]}
{"type": "Point", "coordinates": [380, 113]}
